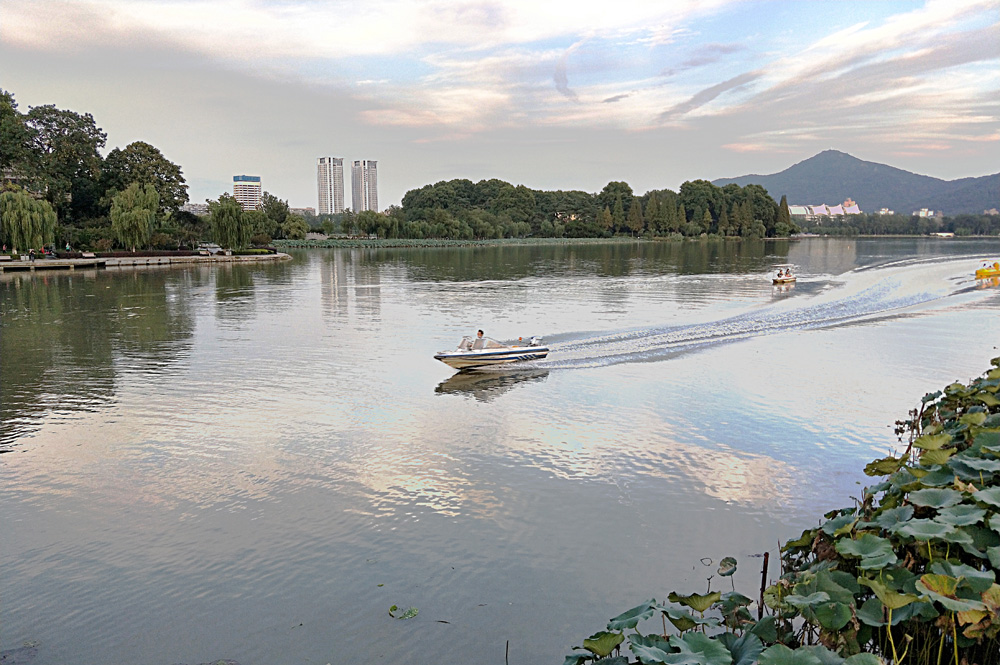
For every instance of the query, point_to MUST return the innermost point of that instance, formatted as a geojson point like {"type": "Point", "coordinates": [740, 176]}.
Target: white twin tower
{"type": "Point", "coordinates": [330, 182]}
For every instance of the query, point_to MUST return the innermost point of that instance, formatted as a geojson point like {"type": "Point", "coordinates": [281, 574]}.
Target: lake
{"type": "Point", "coordinates": [257, 462]}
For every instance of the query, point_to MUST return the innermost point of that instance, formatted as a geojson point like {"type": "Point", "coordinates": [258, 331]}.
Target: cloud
{"type": "Point", "coordinates": [616, 98]}
{"type": "Point", "coordinates": [705, 55]}
{"type": "Point", "coordinates": [708, 94]}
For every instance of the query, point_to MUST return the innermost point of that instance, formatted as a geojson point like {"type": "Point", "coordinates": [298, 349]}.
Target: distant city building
{"type": "Point", "coordinates": [303, 212]}
{"type": "Point", "coordinates": [924, 212]}
{"type": "Point", "coordinates": [812, 213]}
{"type": "Point", "coordinates": [246, 190]}
{"type": "Point", "coordinates": [364, 186]}
{"type": "Point", "coordinates": [885, 211]}
{"type": "Point", "coordinates": [330, 183]}
{"type": "Point", "coordinates": [991, 212]}
{"type": "Point", "coordinates": [195, 208]}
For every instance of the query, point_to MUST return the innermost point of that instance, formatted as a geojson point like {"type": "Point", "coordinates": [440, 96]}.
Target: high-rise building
{"type": "Point", "coordinates": [246, 190]}
{"type": "Point", "coordinates": [364, 185]}
{"type": "Point", "coordinates": [330, 182]}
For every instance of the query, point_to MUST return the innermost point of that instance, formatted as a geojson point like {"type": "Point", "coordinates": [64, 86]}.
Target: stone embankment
{"type": "Point", "coordinates": [132, 262]}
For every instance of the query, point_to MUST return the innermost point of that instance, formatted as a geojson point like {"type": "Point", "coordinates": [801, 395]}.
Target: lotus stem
{"type": "Point", "coordinates": [892, 643]}
{"type": "Point", "coordinates": [954, 636]}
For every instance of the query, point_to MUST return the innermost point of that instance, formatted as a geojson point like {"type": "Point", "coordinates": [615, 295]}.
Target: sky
{"type": "Point", "coordinates": [560, 94]}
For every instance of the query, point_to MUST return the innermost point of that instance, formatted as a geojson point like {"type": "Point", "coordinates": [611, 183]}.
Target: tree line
{"type": "Point", "coordinates": [877, 225]}
{"type": "Point", "coordinates": [57, 189]}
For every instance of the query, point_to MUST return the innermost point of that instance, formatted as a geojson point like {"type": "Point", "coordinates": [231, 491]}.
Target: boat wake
{"type": "Point", "coordinates": [864, 295]}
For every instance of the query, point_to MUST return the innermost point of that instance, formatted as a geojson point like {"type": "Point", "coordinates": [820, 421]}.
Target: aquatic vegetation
{"type": "Point", "coordinates": [907, 575]}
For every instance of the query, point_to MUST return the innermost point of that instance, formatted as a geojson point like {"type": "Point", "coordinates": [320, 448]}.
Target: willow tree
{"type": "Point", "coordinates": [133, 213]}
{"type": "Point", "coordinates": [230, 226]}
{"type": "Point", "coordinates": [25, 222]}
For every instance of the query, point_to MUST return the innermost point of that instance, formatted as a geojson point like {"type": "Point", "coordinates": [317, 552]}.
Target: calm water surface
{"type": "Point", "coordinates": [256, 462]}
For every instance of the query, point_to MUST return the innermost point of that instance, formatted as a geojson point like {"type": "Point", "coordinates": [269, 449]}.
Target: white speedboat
{"type": "Point", "coordinates": [483, 351]}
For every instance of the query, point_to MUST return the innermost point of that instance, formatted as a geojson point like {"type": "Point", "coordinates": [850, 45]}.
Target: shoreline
{"type": "Point", "coordinates": [131, 262]}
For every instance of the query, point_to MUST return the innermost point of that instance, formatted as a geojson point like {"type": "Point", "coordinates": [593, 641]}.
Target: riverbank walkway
{"type": "Point", "coordinates": [96, 262]}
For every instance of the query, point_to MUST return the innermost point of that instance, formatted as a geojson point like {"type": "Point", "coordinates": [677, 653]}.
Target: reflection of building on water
{"type": "Point", "coordinates": [485, 385]}
{"type": "Point", "coordinates": [824, 256]}
{"type": "Point", "coordinates": [344, 269]}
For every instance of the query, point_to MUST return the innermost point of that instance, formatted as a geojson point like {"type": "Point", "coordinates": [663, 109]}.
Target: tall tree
{"type": "Point", "coordinates": [133, 213]}
{"type": "Point", "coordinates": [618, 214]}
{"type": "Point", "coordinates": [15, 137]}
{"type": "Point", "coordinates": [635, 221]}
{"type": "Point", "coordinates": [614, 191]}
{"type": "Point", "coordinates": [275, 209]}
{"type": "Point", "coordinates": [229, 225]}
{"type": "Point", "coordinates": [606, 221]}
{"type": "Point", "coordinates": [142, 163]}
{"type": "Point", "coordinates": [65, 159]}
{"type": "Point", "coordinates": [25, 222]}
{"type": "Point", "coordinates": [652, 214]}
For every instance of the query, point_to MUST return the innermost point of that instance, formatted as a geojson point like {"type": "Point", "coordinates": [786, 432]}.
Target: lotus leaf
{"type": "Point", "coordinates": [938, 477]}
{"type": "Point", "coordinates": [992, 420]}
{"type": "Point", "coordinates": [840, 586]}
{"type": "Point", "coordinates": [684, 620]}
{"type": "Point", "coordinates": [930, 397]}
{"type": "Point", "coordinates": [408, 613]}
{"type": "Point", "coordinates": [972, 418]}
{"type": "Point", "coordinates": [932, 441]}
{"type": "Point", "coordinates": [993, 554]}
{"type": "Point", "coordinates": [632, 617]}
{"type": "Point", "coordinates": [989, 496]}
{"type": "Point", "coordinates": [805, 540]}
{"type": "Point", "coordinates": [977, 580]}
{"type": "Point", "coordinates": [935, 497]}
{"type": "Point", "coordinates": [812, 600]}
{"type": "Point", "coordinates": [943, 589]}
{"type": "Point", "coordinates": [954, 389]}
{"type": "Point", "coordinates": [697, 602]}
{"type": "Point", "coordinates": [650, 648]}
{"type": "Point", "coordinates": [961, 515]}
{"type": "Point", "coordinates": [988, 399]}
{"type": "Point", "coordinates": [826, 657]}
{"type": "Point", "coordinates": [698, 649]}
{"type": "Point", "coordinates": [923, 609]}
{"type": "Point", "coordinates": [603, 643]}
{"type": "Point", "coordinates": [875, 552]}
{"type": "Point", "coordinates": [745, 650]}
{"type": "Point", "coordinates": [888, 519]}
{"type": "Point", "coordinates": [885, 466]}
{"type": "Point", "coordinates": [891, 599]}
{"type": "Point", "coordinates": [981, 464]}
{"type": "Point", "coordinates": [766, 629]}
{"type": "Point", "coordinates": [577, 659]}
{"type": "Point", "coordinates": [779, 654]}
{"type": "Point", "coordinates": [727, 566]}
{"type": "Point", "coordinates": [963, 471]}
{"type": "Point", "coordinates": [936, 457]}
{"type": "Point", "coordinates": [863, 659]}
{"type": "Point", "coordinates": [924, 529]}
{"type": "Point", "coordinates": [833, 616]}
{"type": "Point", "coordinates": [872, 613]}
{"type": "Point", "coordinates": [837, 523]}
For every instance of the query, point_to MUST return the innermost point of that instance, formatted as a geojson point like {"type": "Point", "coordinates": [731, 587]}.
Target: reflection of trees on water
{"type": "Point", "coordinates": [235, 297]}
{"type": "Point", "coordinates": [66, 336]}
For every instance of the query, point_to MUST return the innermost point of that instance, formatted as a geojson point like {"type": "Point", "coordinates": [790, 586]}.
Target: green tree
{"type": "Point", "coordinates": [15, 137]}
{"type": "Point", "coordinates": [65, 162]}
{"type": "Point", "coordinates": [142, 163]}
{"type": "Point", "coordinates": [612, 192]}
{"type": "Point", "coordinates": [230, 226]}
{"type": "Point", "coordinates": [274, 208]}
{"type": "Point", "coordinates": [618, 215]}
{"type": "Point", "coordinates": [724, 228]}
{"type": "Point", "coordinates": [635, 221]}
{"type": "Point", "coordinates": [606, 221]}
{"type": "Point", "coordinates": [133, 213]}
{"type": "Point", "coordinates": [653, 213]}
{"type": "Point", "coordinates": [296, 228]}
{"type": "Point", "coordinates": [25, 222]}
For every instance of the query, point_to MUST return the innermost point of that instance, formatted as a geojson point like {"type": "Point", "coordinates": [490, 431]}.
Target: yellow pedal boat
{"type": "Point", "coordinates": [988, 271]}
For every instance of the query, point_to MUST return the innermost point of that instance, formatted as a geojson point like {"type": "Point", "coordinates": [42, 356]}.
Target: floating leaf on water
{"type": "Point", "coordinates": [603, 643]}
{"type": "Point", "coordinates": [935, 497]}
{"type": "Point", "coordinates": [727, 566]}
{"type": "Point", "coordinates": [631, 618]}
{"type": "Point", "coordinates": [408, 613]}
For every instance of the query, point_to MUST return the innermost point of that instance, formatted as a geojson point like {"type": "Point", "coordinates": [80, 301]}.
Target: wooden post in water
{"type": "Point", "coordinates": [763, 585]}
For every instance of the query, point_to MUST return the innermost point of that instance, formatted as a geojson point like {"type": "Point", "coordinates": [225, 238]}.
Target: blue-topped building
{"type": "Point", "coordinates": [246, 190]}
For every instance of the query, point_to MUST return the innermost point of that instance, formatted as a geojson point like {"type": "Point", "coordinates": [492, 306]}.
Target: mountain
{"type": "Point", "coordinates": [832, 176]}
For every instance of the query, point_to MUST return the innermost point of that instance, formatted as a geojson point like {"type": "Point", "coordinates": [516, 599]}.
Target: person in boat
{"type": "Point", "coordinates": [780, 273]}
{"type": "Point", "coordinates": [480, 342]}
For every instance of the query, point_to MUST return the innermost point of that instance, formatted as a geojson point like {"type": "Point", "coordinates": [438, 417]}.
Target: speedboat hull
{"type": "Point", "coordinates": [783, 280]}
{"type": "Point", "coordinates": [486, 357]}
{"type": "Point", "coordinates": [986, 273]}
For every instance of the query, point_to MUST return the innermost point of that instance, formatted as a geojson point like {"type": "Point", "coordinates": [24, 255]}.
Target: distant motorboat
{"type": "Point", "coordinates": [483, 352]}
{"type": "Point", "coordinates": [784, 275]}
{"type": "Point", "coordinates": [787, 279]}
